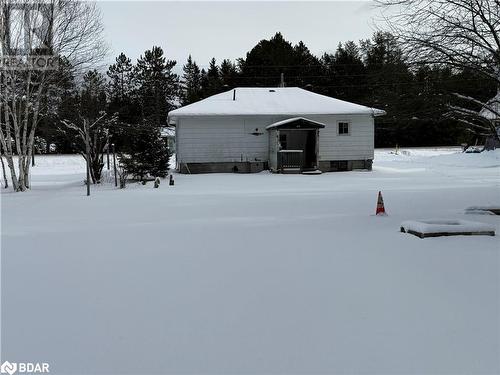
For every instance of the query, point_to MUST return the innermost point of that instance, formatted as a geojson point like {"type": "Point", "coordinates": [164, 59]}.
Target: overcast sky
{"type": "Point", "coordinates": [229, 29]}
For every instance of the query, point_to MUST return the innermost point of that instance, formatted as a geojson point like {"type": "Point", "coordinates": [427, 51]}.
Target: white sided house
{"type": "Point", "coordinates": [281, 129]}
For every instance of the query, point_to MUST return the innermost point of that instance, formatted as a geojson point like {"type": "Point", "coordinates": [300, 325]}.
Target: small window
{"type": "Point", "coordinates": [343, 128]}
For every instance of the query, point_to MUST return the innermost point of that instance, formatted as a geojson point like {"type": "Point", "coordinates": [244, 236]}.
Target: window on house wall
{"type": "Point", "coordinates": [343, 128]}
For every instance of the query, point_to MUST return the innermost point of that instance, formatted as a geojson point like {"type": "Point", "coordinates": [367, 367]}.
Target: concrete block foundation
{"type": "Point", "coordinates": [344, 165]}
{"type": "Point", "coordinates": [255, 167]}
{"type": "Point", "coordinates": [226, 167]}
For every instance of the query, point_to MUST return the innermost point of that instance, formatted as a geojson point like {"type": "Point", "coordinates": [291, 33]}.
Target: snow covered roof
{"type": "Point", "coordinates": [494, 103]}
{"type": "Point", "coordinates": [272, 101]}
{"type": "Point", "coordinates": [294, 119]}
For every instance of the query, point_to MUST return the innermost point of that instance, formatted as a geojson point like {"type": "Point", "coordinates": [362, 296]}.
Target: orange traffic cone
{"type": "Point", "coordinates": [380, 205]}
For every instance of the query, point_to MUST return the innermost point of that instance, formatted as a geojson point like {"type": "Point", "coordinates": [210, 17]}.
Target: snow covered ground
{"type": "Point", "coordinates": [254, 274]}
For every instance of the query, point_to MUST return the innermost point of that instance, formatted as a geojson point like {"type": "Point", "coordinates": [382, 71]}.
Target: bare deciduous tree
{"type": "Point", "coordinates": [35, 35]}
{"type": "Point", "coordinates": [462, 34]}
{"type": "Point", "coordinates": [93, 141]}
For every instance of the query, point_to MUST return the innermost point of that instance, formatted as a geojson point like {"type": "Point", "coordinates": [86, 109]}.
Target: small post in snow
{"type": "Point", "coordinates": [87, 149]}
{"type": "Point", "coordinates": [114, 163]}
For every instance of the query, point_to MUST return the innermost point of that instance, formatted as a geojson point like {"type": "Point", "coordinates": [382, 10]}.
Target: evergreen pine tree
{"type": "Point", "coordinates": [204, 83]}
{"type": "Point", "coordinates": [120, 75]}
{"type": "Point", "coordinates": [123, 100]}
{"type": "Point", "coordinates": [191, 82]}
{"type": "Point", "coordinates": [228, 74]}
{"type": "Point", "coordinates": [306, 69]}
{"type": "Point", "coordinates": [346, 73]}
{"type": "Point", "coordinates": [93, 95]}
{"type": "Point", "coordinates": [265, 62]}
{"type": "Point", "coordinates": [156, 92]}
{"type": "Point", "coordinates": [212, 83]}
{"type": "Point", "coordinates": [148, 154]}
{"type": "Point", "coordinates": [157, 86]}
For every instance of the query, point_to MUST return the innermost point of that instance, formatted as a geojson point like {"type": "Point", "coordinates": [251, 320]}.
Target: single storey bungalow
{"type": "Point", "coordinates": [281, 129]}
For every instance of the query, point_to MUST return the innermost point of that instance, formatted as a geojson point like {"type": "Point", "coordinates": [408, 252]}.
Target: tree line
{"type": "Point", "coordinates": [373, 72]}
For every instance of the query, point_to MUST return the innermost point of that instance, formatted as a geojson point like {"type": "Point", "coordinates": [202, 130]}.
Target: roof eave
{"type": "Point", "coordinates": [279, 124]}
{"type": "Point", "coordinates": [298, 114]}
